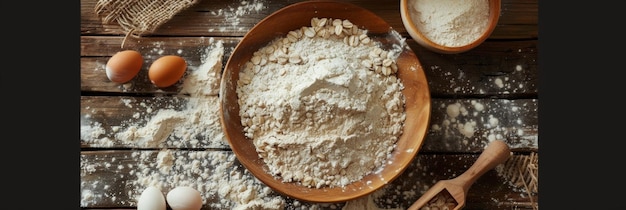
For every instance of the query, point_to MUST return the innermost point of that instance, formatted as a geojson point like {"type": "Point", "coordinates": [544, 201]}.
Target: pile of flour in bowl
{"type": "Point", "coordinates": [322, 105]}
{"type": "Point", "coordinates": [451, 23]}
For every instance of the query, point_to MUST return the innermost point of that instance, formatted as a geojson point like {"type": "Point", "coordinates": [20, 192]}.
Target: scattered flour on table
{"type": "Point", "coordinates": [222, 182]}
{"type": "Point", "coordinates": [504, 119]}
{"type": "Point", "coordinates": [323, 109]}
{"type": "Point", "coordinates": [232, 15]}
{"type": "Point", "coordinates": [458, 81]}
{"type": "Point", "coordinates": [469, 118]}
{"type": "Point", "coordinates": [190, 120]}
{"type": "Point", "coordinates": [215, 174]}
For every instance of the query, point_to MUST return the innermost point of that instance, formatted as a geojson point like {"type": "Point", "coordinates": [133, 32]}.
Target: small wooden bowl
{"type": "Point", "coordinates": [410, 72]}
{"type": "Point", "coordinates": [406, 11]}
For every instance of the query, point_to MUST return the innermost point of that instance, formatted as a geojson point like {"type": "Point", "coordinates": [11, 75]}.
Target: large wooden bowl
{"type": "Point", "coordinates": [410, 72]}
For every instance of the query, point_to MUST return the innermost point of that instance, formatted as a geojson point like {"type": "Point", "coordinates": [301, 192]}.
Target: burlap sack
{"type": "Point", "coordinates": [140, 17]}
{"type": "Point", "coordinates": [522, 171]}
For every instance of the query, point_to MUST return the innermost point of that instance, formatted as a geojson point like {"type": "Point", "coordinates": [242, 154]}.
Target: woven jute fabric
{"type": "Point", "coordinates": [140, 17]}
{"type": "Point", "coordinates": [522, 171]}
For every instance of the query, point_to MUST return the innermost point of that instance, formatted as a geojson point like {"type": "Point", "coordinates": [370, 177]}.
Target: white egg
{"type": "Point", "coordinates": [184, 198]}
{"type": "Point", "coordinates": [151, 199]}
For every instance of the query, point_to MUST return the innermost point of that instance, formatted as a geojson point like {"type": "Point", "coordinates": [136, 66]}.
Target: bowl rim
{"type": "Point", "coordinates": [411, 28]}
{"type": "Point", "coordinates": [416, 90]}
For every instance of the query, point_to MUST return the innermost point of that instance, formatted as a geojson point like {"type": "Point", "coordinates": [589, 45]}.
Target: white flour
{"type": "Point", "coordinates": [190, 120]}
{"type": "Point", "coordinates": [451, 22]}
{"type": "Point", "coordinates": [232, 15]}
{"type": "Point", "coordinates": [325, 108]}
{"type": "Point", "coordinates": [214, 174]}
{"type": "Point", "coordinates": [196, 121]}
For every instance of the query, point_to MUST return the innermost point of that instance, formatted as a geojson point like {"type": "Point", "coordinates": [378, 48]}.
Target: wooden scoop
{"type": "Point", "coordinates": [456, 189]}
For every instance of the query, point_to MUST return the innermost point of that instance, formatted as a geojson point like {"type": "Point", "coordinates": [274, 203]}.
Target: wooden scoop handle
{"type": "Point", "coordinates": [496, 153]}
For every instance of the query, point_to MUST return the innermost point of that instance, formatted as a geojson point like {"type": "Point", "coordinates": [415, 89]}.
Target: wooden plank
{"type": "Point", "coordinates": [495, 85]}
{"type": "Point", "coordinates": [233, 18]}
{"type": "Point", "coordinates": [493, 68]}
{"type": "Point", "coordinates": [151, 122]}
{"type": "Point", "coordinates": [479, 121]}
{"type": "Point", "coordinates": [96, 51]}
{"type": "Point", "coordinates": [99, 46]}
{"type": "Point", "coordinates": [115, 179]}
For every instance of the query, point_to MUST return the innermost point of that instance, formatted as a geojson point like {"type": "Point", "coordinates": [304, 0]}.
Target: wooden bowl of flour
{"type": "Point", "coordinates": [448, 26]}
{"type": "Point", "coordinates": [417, 103]}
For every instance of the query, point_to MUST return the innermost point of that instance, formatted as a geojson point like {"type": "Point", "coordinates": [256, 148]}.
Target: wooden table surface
{"type": "Point", "coordinates": [495, 85]}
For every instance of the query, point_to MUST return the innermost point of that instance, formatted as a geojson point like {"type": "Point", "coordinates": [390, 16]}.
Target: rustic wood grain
{"type": "Point", "coordinates": [517, 121]}
{"type": "Point", "coordinates": [518, 19]}
{"type": "Point", "coordinates": [495, 82]}
{"type": "Point", "coordinates": [473, 73]}
{"type": "Point", "coordinates": [111, 172]}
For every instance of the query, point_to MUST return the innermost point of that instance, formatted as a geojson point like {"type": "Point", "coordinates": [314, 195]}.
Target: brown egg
{"type": "Point", "coordinates": [167, 70]}
{"type": "Point", "coordinates": [124, 66]}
